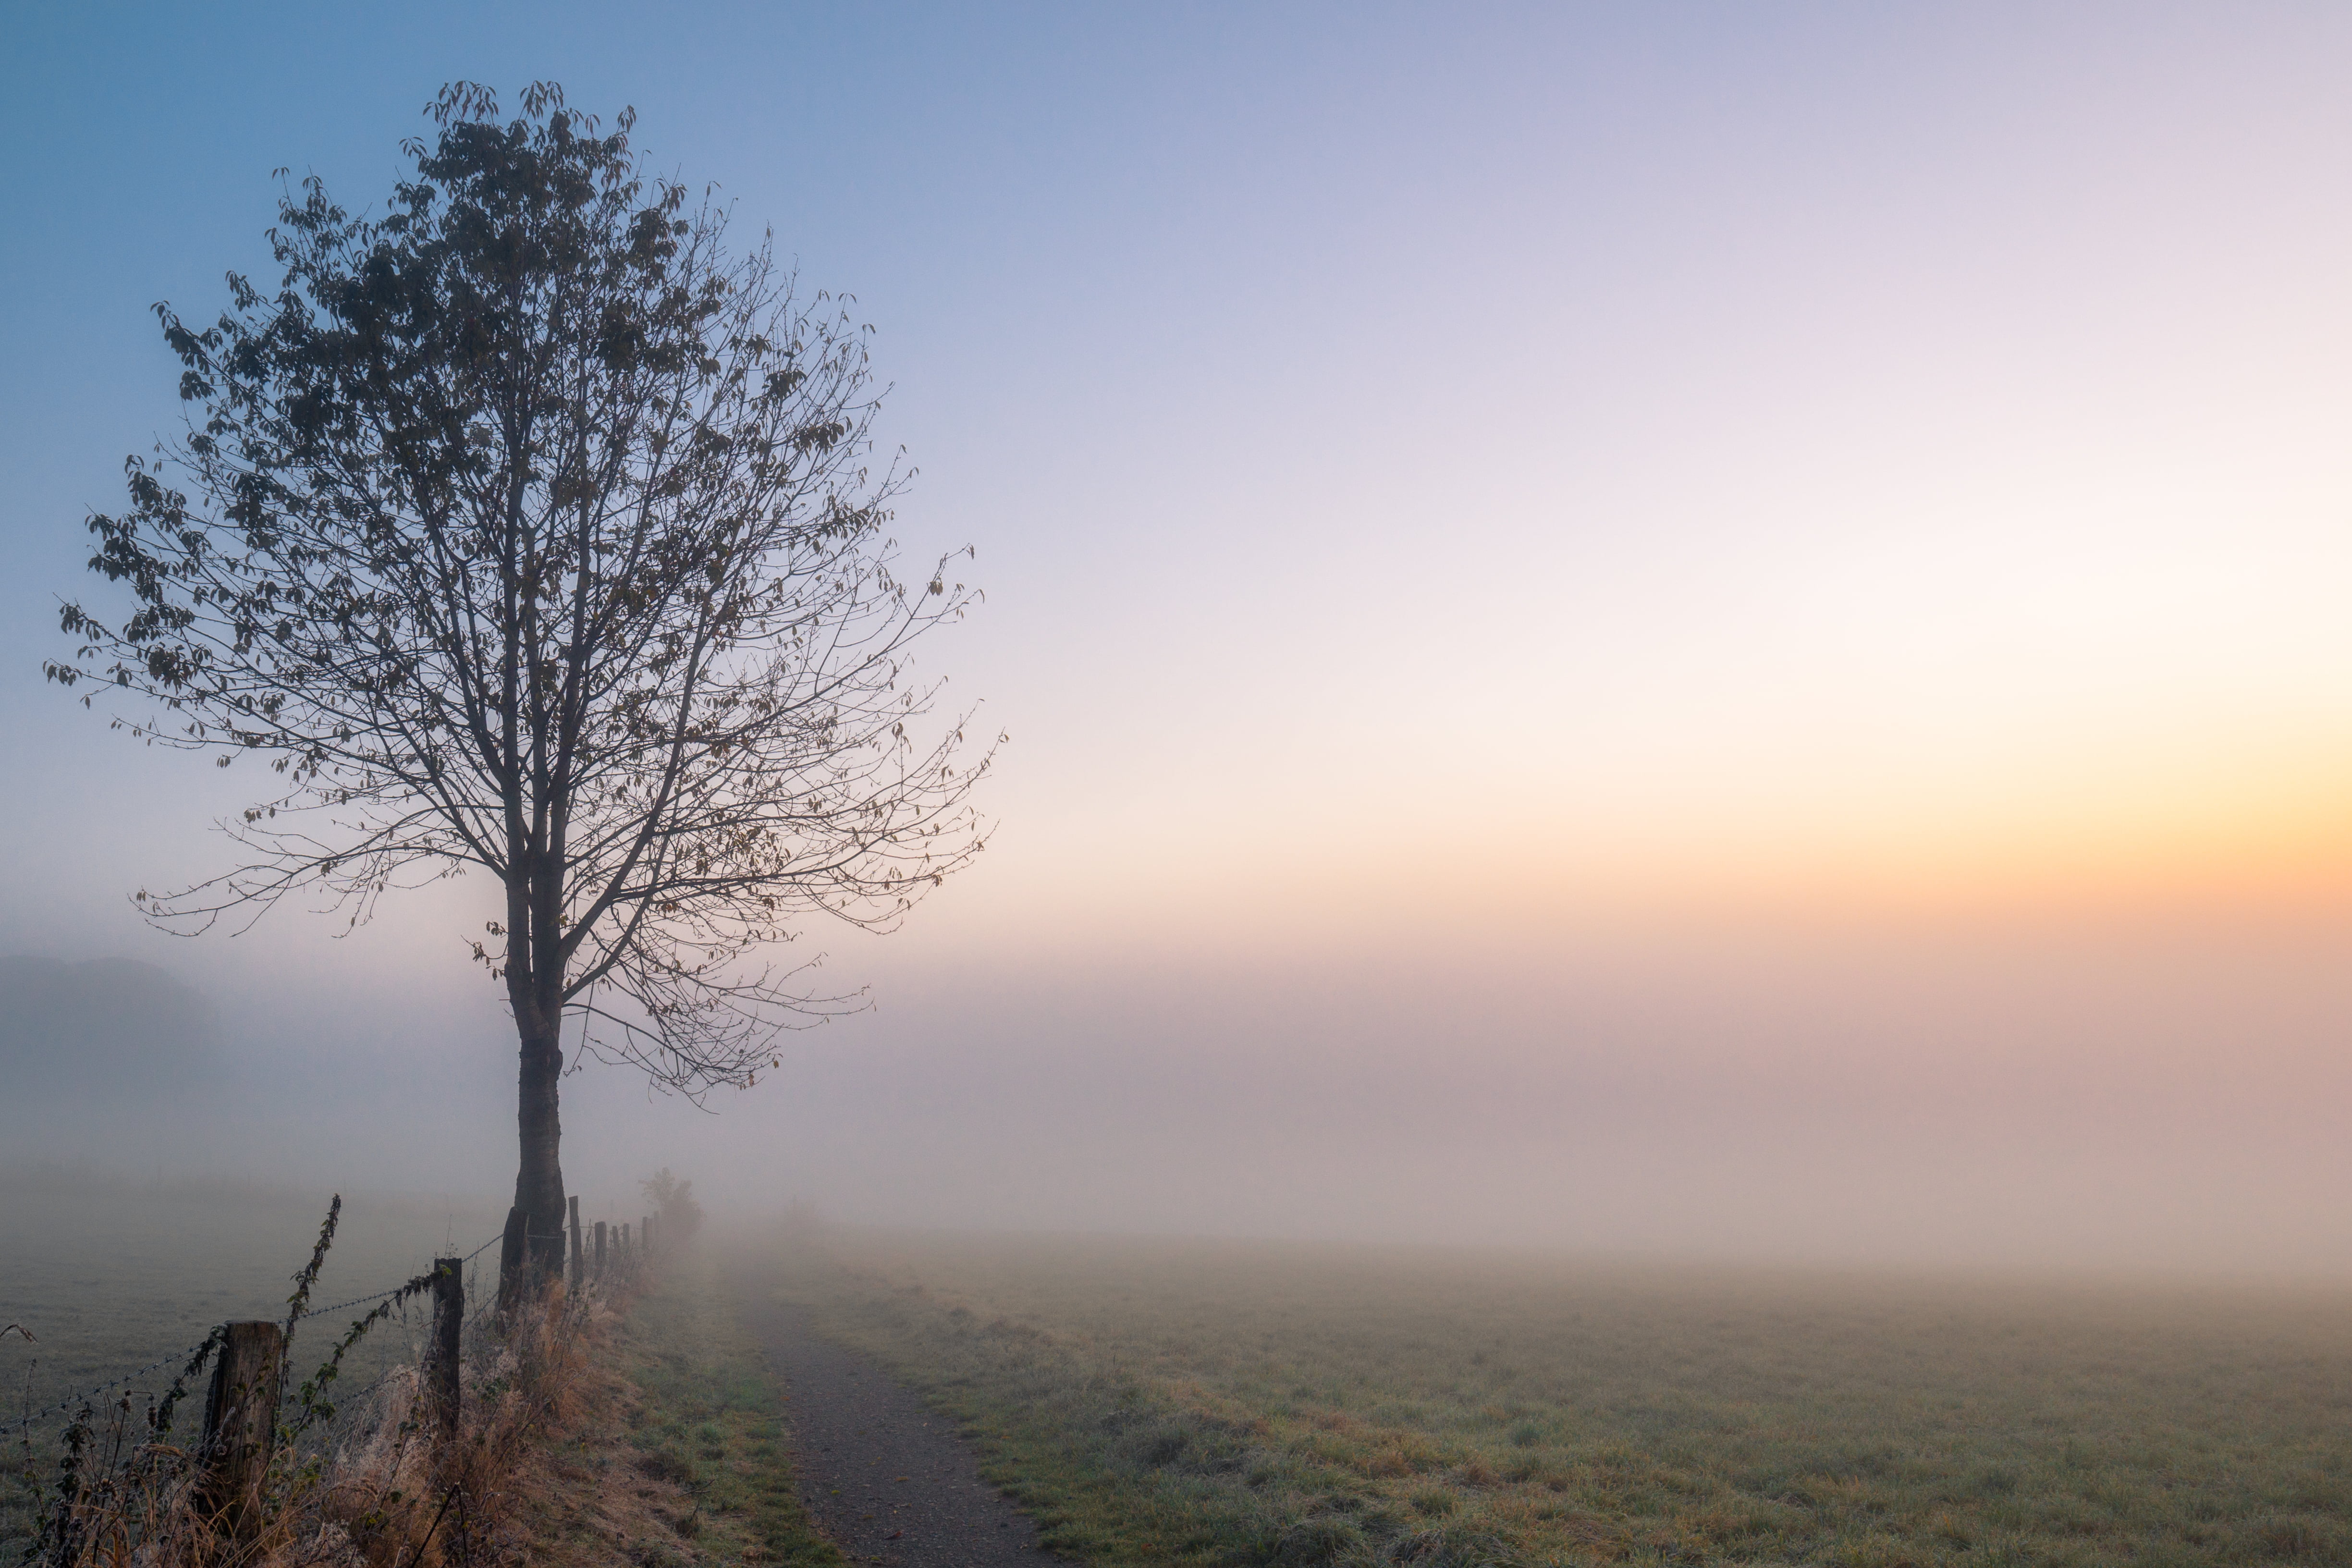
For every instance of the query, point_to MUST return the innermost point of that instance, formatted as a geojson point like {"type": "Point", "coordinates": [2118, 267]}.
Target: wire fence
{"type": "Point", "coordinates": [396, 1289]}
{"type": "Point", "coordinates": [72, 1402]}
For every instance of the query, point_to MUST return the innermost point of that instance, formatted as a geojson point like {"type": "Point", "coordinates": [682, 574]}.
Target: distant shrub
{"type": "Point", "coordinates": [674, 1205]}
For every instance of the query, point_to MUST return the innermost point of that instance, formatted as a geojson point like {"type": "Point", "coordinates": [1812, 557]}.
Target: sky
{"type": "Point", "coordinates": [1673, 628]}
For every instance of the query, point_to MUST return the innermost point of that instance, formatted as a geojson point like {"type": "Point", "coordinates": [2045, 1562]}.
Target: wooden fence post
{"type": "Point", "coordinates": [241, 1422]}
{"type": "Point", "coordinates": [645, 1237]}
{"type": "Point", "coordinates": [579, 1259]}
{"type": "Point", "coordinates": [441, 1350]}
{"type": "Point", "coordinates": [600, 1251]}
{"type": "Point", "coordinates": [511, 1256]}
{"type": "Point", "coordinates": [649, 1233]}
{"type": "Point", "coordinates": [628, 1254]}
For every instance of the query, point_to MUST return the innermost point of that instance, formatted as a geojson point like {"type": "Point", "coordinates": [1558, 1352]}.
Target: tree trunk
{"type": "Point", "coordinates": [539, 1184]}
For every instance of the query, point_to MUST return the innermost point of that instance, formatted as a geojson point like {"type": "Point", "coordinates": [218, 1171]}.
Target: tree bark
{"type": "Point", "coordinates": [539, 1184]}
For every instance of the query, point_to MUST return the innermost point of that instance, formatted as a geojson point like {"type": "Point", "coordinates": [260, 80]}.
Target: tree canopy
{"type": "Point", "coordinates": [525, 527]}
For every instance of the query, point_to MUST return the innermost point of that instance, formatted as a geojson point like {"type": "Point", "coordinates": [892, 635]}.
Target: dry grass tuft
{"type": "Point", "coordinates": [396, 1499]}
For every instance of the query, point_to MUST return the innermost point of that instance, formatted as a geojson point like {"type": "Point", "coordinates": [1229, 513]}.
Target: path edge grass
{"type": "Point", "coordinates": [1113, 1468]}
{"type": "Point", "coordinates": [705, 1414]}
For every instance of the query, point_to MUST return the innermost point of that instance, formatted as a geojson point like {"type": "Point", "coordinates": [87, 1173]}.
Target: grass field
{"type": "Point", "coordinates": [108, 1280]}
{"type": "Point", "coordinates": [1224, 1403]}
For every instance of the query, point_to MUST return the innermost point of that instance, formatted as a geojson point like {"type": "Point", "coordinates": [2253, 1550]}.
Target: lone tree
{"type": "Point", "coordinates": [526, 529]}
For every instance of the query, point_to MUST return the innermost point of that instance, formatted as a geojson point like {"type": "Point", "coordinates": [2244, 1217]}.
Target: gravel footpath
{"type": "Point", "coordinates": [889, 1480]}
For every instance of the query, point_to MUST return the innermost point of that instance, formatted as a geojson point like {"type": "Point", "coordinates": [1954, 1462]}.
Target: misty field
{"type": "Point", "coordinates": [1203, 1403]}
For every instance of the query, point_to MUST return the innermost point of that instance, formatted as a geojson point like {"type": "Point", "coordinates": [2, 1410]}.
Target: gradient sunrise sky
{"type": "Point", "coordinates": [1639, 561]}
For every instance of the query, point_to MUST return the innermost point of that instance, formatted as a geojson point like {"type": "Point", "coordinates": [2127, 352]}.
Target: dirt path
{"type": "Point", "coordinates": [890, 1481]}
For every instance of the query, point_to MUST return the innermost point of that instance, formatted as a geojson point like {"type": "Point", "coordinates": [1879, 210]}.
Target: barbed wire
{"type": "Point", "coordinates": [396, 1289]}
{"type": "Point", "coordinates": [28, 1423]}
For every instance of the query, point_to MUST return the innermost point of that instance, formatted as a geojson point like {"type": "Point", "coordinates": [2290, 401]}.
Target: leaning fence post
{"type": "Point", "coordinates": [600, 1251]}
{"type": "Point", "coordinates": [579, 1259]}
{"type": "Point", "coordinates": [240, 1422]}
{"type": "Point", "coordinates": [441, 1350]}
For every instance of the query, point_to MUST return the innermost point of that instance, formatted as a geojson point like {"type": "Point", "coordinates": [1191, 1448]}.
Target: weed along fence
{"type": "Point", "coordinates": [102, 1473]}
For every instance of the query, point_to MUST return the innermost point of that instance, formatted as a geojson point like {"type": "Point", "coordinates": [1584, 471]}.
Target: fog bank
{"type": "Point", "coordinates": [2159, 1096]}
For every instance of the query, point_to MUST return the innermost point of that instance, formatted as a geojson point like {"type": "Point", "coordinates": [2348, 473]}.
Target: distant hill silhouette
{"type": "Point", "coordinates": [112, 1026]}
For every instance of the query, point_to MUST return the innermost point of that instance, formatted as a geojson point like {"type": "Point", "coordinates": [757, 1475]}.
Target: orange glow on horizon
{"type": "Point", "coordinates": [2241, 836]}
